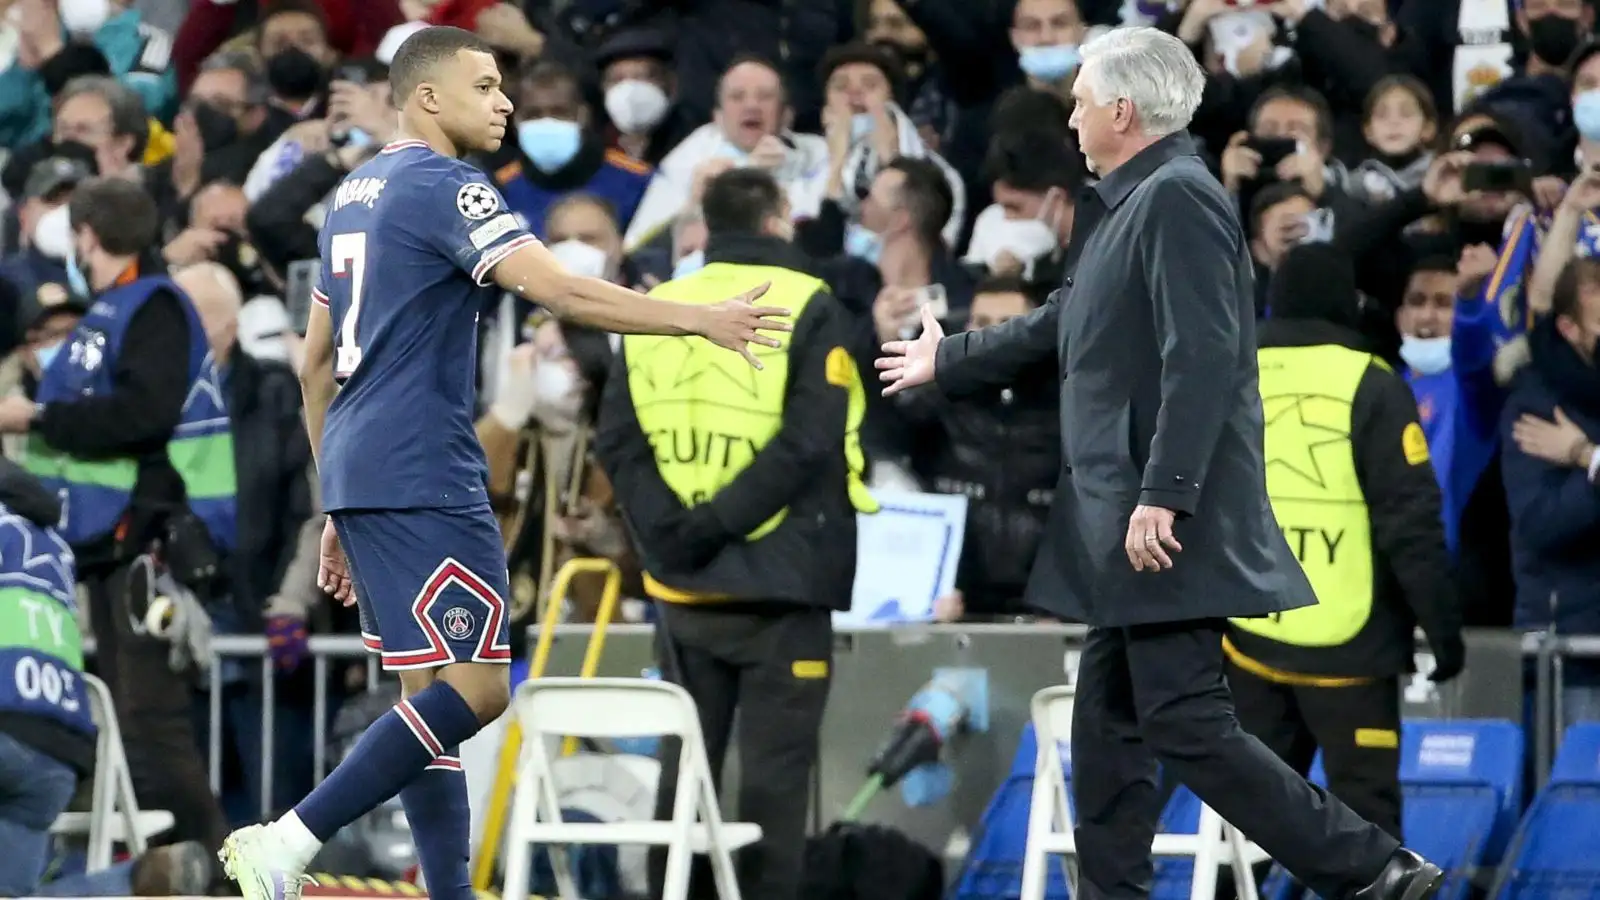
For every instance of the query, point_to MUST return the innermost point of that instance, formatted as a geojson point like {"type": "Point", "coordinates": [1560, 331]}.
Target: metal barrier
{"type": "Point", "coordinates": [877, 670]}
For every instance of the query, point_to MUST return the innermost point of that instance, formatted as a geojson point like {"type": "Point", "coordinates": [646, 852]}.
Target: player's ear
{"type": "Point", "coordinates": [428, 98]}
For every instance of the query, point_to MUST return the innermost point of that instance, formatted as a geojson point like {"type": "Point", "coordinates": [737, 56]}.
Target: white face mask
{"type": "Point", "coordinates": [84, 16]}
{"type": "Point", "coordinates": [1025, 239]}
{"type": "Point", "coordinates": [52, 234]}
{"type": "Point", "coordinates": [581, 259]}
{"type": "Point", "coordinates": [636, 106]}
{"type": "Point", "coordinates": [557, 390]}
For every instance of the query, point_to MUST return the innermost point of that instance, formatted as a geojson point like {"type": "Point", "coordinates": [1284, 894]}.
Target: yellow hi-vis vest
{"type": "Point", "coordinates": [708, 412]}
{"type": "Point", "coordinates": [1307, 395]}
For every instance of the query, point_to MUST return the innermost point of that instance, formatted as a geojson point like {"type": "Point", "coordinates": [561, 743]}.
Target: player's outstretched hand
{"type": "Point", "coordinates": [738, 323]}
{"type": "Point", "coordinates": [910, 363]}
{"type": "Point", "coordinates": [333, 573]}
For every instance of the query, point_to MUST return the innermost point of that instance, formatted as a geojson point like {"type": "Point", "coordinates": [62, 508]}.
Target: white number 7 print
{"type": "Point", "coordinates": [349, 252]}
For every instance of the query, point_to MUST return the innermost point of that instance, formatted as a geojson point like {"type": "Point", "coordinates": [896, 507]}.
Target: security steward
{"type": "Point", "coordinates": [741, 487]}
{"type": "Point", "coordinates": [1349, 478]}
{"type": "Point", "coordinates": [129, 430]}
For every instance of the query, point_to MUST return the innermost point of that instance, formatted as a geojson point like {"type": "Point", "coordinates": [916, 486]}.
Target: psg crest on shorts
{"type": "Point", "coordinates": [458, 623]}
{"type": "Point", "coordinates": [477, 201]}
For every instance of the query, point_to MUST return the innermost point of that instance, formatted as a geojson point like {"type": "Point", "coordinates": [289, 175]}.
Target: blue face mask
{"type": "Point", "coordinates": [690, 264]}
{"type": "Point", "coordinates": [75, 277]}
{"type": "Point", "coordinates": [1050, 64]}
{"type": "Point", "coordinates": [45, 355]}
{"type": "Point", "coordinates": [357, 138]}
{"type": "Point", "coordinates": [863, 244]}
{"type": "Point", "coordinates": [550, 143]}
{"type": "Point", "coordinates": [1426, 356]}
{"type": "Point", "coordinates": [1586, 115]}
{"type": "Point", "coordinates": [860, 126]}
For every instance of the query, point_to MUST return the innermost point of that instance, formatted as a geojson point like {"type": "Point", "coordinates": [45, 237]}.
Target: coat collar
{"type": "Point", "coordinates": [1115, 188]}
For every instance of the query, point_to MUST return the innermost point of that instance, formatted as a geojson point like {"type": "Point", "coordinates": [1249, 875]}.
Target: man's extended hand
{"type": "Point", "coordinates": [16, 415]}
{"type": "Point", "coordinates": [333, 572]}
{"type": "Point", "coordinates": [1150, 537]}
{"type": "Point", "coordinates": [737, 323]}
{"type": "Point", "coordinates": [910, 363]}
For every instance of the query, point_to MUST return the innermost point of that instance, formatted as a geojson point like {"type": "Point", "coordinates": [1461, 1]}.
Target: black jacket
{"type": "Point", "coordinates": [271, 454]}
{"type": "Point", "coordinates": [810, 558]}
{"type": "Point", "coordinates": [24, 495]}
{"type": "Point", "coordinates": [1001, 449]}
{"type": "Point", "coordinates": [1154, 330]}
{"type": "Point", "coordinates": [1412, 580]}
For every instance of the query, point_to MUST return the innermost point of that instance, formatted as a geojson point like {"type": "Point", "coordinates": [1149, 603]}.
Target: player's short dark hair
{"type": "Point", "coordinates": [1033, 292]}
{"type": "Point", "coordinates": [1565, 297]}
{"type": "Point", "coordinates": [549, 73]}
{"type": "Point", "coordinates": [926, 196]}
{"type": "Point", "coordinates": [1437, 262]}
{"type": "Point", "coordinates": [1023, 108]}
{"type": "Point", "coordinates": [740, 200]}
{"type": "Point", "coordinates": [122, 215]}
{"type": "Point", "coordinates": [416, 59]}
{"type": "Point", "coordinates": [284, 7]}
{"type": "Point", "coordinates": [1034, 161]}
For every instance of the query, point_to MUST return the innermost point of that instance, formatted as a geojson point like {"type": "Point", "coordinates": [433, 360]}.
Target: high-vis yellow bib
{"type": "Point", "coordinates": [707, 411]}
{"type": "Point", "coordinates": [1307, 394]}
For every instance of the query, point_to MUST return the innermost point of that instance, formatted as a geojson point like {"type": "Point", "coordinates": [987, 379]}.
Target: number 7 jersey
{"type": "Point", "coordinates": [408, 247]}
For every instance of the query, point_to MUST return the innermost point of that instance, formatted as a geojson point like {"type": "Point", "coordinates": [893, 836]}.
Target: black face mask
{"type": "Point", "coordinates": [1553, 38]}
{"type": "Point", "coordinates": [294, 74]}
{"type": "Point", "coordinates": [1362, 27]}
{"type": "Point", "coordinates": [217, 128]}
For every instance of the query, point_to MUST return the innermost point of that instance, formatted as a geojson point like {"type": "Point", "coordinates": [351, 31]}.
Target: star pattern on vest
{"type": "Point", "coordinates": [209, 384]}
{"type": "Point", "coordinates": [678, 362]}
{"type": "Point", "coordinates": [46, 568]}
{"type": "Point", "coordinates": [1292, 442]}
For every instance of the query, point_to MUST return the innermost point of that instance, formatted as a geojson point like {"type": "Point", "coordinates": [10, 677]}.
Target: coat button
{"type": "Point", "coordinates": [1177, 479]}
{"type": "Point", "coordinates": [1069, 281]}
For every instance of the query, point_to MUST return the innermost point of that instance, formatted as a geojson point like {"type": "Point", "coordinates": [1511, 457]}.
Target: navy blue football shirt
{"type": "Point", "coordinates": [410, 240]}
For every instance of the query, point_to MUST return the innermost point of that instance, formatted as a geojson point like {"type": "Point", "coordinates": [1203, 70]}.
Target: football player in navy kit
{"type": "Point", "coordinates": [415, 243]}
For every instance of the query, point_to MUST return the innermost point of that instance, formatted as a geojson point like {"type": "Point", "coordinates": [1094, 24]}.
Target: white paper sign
{"type": "Point", "coordinates": [906, 556]}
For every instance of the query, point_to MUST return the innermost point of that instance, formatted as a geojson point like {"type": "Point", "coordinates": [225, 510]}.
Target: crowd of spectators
{"type": "Point", "coordinates": [1450, 149]}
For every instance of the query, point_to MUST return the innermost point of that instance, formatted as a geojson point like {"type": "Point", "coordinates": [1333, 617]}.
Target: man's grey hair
{"type": "Point", "coordinates": [1149, 68]}
{"type": "Point", "coordinates": [256, 90]}
{"type": "Point", "coordinates": [128, 116]}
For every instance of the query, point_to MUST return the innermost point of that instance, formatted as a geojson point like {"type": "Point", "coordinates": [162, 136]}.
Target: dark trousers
{"type": "Point", "coordinates": [773, 668]}
{"type": "Point", "coordinates": [1357, 727]}
{"type": "Point", "coordinates": [1157, 693]}
{"type": "Point", "coordinates": [155, 710]}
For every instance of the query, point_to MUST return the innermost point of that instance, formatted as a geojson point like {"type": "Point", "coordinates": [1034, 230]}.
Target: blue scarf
{"type": "Point", "coordinates": [1505, 287]}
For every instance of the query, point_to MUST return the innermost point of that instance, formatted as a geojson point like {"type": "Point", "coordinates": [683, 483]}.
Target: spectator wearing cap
{"type": "Point", "coordinates": [42, 338]}
{"type": "Point", "coordinates": [38, 271]}
{"type": "Point", "coordinates": [59, 42]}
{"type": "Point", "coordinates": [641, 93]}
{"type": "Point", "coordinates": [559, 151]}
{"type": "Point", "coordinates": [750, 128]}
{"type": "Point", "coordinates": [271, 456]}
{"type": "Point", "coordinates": [865, 130]}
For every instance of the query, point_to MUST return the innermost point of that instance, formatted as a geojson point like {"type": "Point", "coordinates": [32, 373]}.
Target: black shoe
{"type": "Point", "coordinates": [1406, 877]}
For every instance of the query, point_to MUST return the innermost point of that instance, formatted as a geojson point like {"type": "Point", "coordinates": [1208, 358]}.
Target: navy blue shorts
{"type": "Point", "coordinates": [430, 584]}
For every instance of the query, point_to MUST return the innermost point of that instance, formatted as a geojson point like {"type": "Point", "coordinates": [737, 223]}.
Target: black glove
{"type": "Point", "coordinates": [692, 541]}
{"type": "Point", "coordinates": [1449, 657]}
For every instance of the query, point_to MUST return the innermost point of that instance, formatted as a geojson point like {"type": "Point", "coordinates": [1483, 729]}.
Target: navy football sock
{"type": "Point", "coordinates": [394, 750]}
{"type": "Point", "coordinates": [441, 826]}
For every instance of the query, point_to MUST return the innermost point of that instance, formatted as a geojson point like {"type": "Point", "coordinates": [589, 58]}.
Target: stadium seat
{"type": "Point", "coordinates": [553, 708]}
{"type": "Point", "coordinates": [114, 816]}
{"type": "Point", "coordinates": [993, 869]}
{"type": "Point", "coordinates": [1553, 856]}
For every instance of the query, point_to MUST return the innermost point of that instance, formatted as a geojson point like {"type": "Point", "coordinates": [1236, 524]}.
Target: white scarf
{"type": "Point", "coordinates": [1483, 58]}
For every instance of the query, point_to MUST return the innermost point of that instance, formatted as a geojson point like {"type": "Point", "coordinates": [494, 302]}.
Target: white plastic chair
{"type": "Point", "coordinates": [114, 816]}
{"type": "Point", "coordinates": [548, 708]}
{"type": "Point", "coordinates": [1050, 819]}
